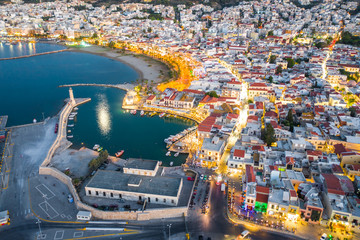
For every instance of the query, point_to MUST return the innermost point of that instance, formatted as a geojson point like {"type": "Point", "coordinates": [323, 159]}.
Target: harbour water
{"type": "Point", "coordinates": [30, 90]}
{"type": "Point", "coordinates": [26, 48]}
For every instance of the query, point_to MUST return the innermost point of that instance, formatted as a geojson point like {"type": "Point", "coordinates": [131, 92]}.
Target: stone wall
{"type": "Point", "coordinates": [116, 215]}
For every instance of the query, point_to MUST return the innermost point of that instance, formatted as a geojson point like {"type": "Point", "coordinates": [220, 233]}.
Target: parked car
{"type": "Point", "coordinates": [190, 178]}
{"type": "Point", "coordinates": [323, 236]}
{"type": "Point", "coordinates": [202, 176]}
{"type": "Point", "coordinates": [70, 198]}
{"type": "Point", "coordinates": [244, 234]}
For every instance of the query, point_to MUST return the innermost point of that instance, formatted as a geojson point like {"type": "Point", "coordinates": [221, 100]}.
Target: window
{"type": "Point", "coordinates": [156, 199]}
{"type": "Point", "coordinates": [104, 194]}
{"type": "Point", "coordinates": [172, 201]}
{"type": "Point", "coordinates": [120, 196]}
{"type": "Point", "coordinates": [97, 193]}
{"type": "Point", "coordinates": [164, 199]}
{"type": "Point", "coordinates": [89, 192]}
{"type": "Point", "coordinates": [148, 199]}
{"type": "Point", "coordinates": [111, 195]}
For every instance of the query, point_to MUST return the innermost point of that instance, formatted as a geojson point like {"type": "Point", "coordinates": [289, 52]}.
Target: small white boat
{"type": "Point", "coordinates": [142, 113]}
{"type": "Point", "coordinates": [70, 125]}
{"type": "Point", "coordinates": [171, 163]}
{"type": "Point", "coordinates": [168, 153]}
{"type": "Point", "coordinates": [96, 147]}
{"type": "Point", "coordinates": [70, 136]}
{"type": "Point", "coordinates": [176, 154]}
{"type": "Point", "coordinates": [69, 131]}
{"type": "Point", "coordinates": [75, 108]}
{"type": "Point", "coordinates": [71, 118]}
{"type": "Point", "coordinates": [161, 115]}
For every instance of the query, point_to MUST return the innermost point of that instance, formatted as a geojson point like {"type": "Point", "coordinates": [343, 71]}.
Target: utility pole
{"type": "Point", "coordinates": [169, 225]}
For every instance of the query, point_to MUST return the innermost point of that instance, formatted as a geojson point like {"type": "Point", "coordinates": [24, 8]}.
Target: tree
{"type": "Point", "coordinates": [272, 59]}
{"type": "Point", "coordinates": [278, 69]}
{"type": "Point", "coordinates": [212, 94]}
{"type": "Point", "coordinates": [268, 134]}
{"type": "Point", "coordinates": [271, 33]}
{"type": "Point", "coordinates": [111, 44]}
{"type": "Point", "coordinates": [96, 42]}
{"type": "Point", "coordinates": [94, 36]}
{"type": "Point", "coordinates": [270, 79]}
{"type": "Point", "coordinates": [352, 112]}
{"type": "Point", "coordinates": [250, 101]}
{"type": "Point", "coordinates": [290, 62]}
{"type": "Point", "coordinates": [290, 119]}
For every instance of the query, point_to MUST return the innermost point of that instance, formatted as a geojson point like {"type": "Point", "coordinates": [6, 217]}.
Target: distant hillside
{"type": "Point", "coordinates": [214, 3]}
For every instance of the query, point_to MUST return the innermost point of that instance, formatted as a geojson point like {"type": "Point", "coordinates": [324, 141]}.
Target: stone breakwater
{"type": "Point", "coordinates": [34, 55]}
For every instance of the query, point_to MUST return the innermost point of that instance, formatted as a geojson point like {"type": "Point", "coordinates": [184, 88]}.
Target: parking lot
{"type": "Point", "coordinates": [49, 199]}
{"type": "Point", "coordinates": [199, 202]}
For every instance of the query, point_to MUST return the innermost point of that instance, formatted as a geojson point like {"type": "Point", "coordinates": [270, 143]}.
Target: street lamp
{"type": "Point", "coordinates": [40, 233]}
{"type": "Point", "coordinates": [169, 225]}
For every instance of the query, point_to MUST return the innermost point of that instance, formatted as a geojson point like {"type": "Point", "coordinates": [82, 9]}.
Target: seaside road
{"type": "Point", "coordinates": [31, 144]}
{"type": "Point", "coordinates": [216, 225]}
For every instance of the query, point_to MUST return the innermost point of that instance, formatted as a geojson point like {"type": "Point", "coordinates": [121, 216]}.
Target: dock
{"type": "Point", "coordinates": [3, 121]}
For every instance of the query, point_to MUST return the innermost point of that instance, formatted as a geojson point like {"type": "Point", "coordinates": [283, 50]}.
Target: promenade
{"type": "Point", "coordinates": [34, 55]}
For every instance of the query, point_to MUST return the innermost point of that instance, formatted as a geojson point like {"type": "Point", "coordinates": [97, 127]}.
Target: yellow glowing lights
{"type": "Point", "coordinates": [103, 115]}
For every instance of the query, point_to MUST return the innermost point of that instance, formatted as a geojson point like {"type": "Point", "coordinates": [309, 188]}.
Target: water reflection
{"type": "Point", "coordinates": [103, 114]}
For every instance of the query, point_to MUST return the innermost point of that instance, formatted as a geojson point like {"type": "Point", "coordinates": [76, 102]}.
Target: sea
{"type": "Point", "coordinates": [30, 90]}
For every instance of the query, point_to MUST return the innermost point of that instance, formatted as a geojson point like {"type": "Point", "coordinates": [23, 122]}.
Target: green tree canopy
{"type": "Point", "coordinates": [278, 69]}
{"type": "Point", "coordinates": [291, 62]}
{"type": "Point", "coordinates": [212, 94]}
{"type": "Point", "coordinates": [268, 134]}
{"type": "Point", "coordinates": [272, 59]}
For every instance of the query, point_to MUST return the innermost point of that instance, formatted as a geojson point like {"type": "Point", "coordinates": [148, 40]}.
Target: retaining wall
{"type": "Point", "coordinates": [113, 215]}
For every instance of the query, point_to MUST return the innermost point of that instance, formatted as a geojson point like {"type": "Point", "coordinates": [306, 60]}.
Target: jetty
{"type": "Point", "coordinates": [126, 86]}
{"type": "Point", "coordinates": [34, 55]}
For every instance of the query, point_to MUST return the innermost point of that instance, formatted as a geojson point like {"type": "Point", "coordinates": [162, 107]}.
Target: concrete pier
{"type": "Point", "coordinates": [33, 55]}
{"type": "Point", "coordinates": [126, 86]}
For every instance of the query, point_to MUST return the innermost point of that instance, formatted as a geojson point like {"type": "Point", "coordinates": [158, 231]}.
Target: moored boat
{"type": "Point", "coordinates": [100, 149]}
{"type": "Point", "coordinates": [176, 154]}
{"type": "Point", "coordinates": [119, 154]}
{"type": "Point", "coordinates": [70, 136]}
{"type": "Point", "coordinates": [161, 115]}
{"type": "Point", "coordinates": [171, 163]}
{"type": "Point", "coordinates": [142, 113]}
{"type": "Point", "coordinates": [133, 112]}
{"type": "Point", "coordinates": [96, 147]}
{"type": "Point", "coordinates": [168, 153]}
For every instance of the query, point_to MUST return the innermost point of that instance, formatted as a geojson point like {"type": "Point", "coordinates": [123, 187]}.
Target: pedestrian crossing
{"type": "Point", "coordinates": [23, 212]}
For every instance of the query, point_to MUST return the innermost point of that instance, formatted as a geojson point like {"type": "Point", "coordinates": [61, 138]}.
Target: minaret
{"type": "Point", "coordinates": [71, 94]}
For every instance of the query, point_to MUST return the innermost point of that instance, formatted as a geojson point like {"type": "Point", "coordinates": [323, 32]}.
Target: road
{"type": "Point", "coordinates": [156, 230]}
{"type": "Point", "coordinates": [216, 225]}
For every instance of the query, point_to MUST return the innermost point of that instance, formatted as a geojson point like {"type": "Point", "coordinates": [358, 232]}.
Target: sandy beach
{"type": "Point", "coordinates": [147, 68]}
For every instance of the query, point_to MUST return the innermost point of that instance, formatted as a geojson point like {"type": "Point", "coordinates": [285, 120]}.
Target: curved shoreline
{"type": "Point", "coordinates": [146, 70]}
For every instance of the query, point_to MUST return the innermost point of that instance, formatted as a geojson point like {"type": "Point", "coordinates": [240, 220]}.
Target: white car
{"type": "Point", "coordinates": [202, 176]}
{"type": "Point", "coordinates": [244, 234]}
{"type": "Point", "coordinates": [323, 236]}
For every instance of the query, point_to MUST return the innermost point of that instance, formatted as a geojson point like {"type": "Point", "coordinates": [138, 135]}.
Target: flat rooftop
{"type": "Point", "coordinates": [142, 164]}
{"type": "Point", "coordinates": [113, 180]}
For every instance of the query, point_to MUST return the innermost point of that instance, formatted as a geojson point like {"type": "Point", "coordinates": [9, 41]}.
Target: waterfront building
{"type": "Point", "coordinates": [117, 185]}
